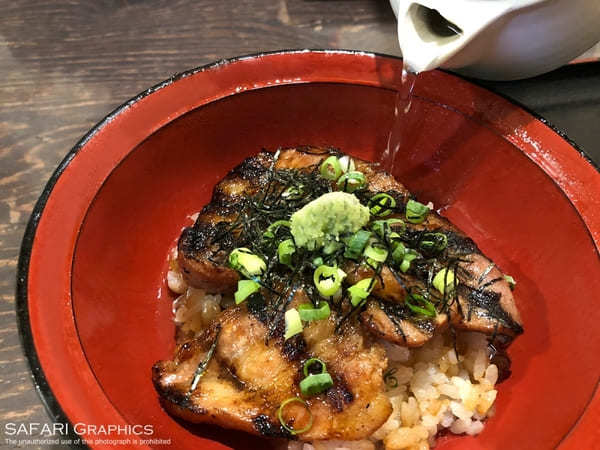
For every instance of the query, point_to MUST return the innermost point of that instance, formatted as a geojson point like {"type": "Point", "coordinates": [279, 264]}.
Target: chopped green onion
{"type": "Point", "coordinates": [331, 247]}
{"type": "Point", "coordinates": [315, 384]}
{"type": "Point", "coordinates": [389, 379]}
{"type": "Point", "coordinates": [246, 262]}
{"type": "Point", "coordinates": [347, 164]}
{"type": "Point", "coordinates": [398, 253]}
{"type": "Point", "coordinates": [510, 280]}
{"type": "Point", "coordinates": [245, 289]}
{"type": "Point", "coordinates": [284, 423]}
{"type": "Point", "coordinates": [285, 250]}
{"type": "Point", "coordinates": [308, 313]}
{"type": "Point", "coordinates": [293, 192]}
{"type": "Point", "coordinates": [360, 291]}
{"type": "Point", "coordinates": [312, 361]}
{"type": "Point", "coordinates": [382, 204]}
{"type": "Point", "coordinates": [328, 280]}
{"type": "Point", "coordinates": [317, 261]}
{"type": "Point", "coordinates": [356, 244]}
{"type": "Point", "coordinates": [414, 300]}
{"type": "Point", "coordinates": [433, 242]}
{"type": "Point", "coordinates": [443, 280]}
{"type": "Point", "coordinates": [381, 228]}
{"type": "Point", "coordinates": [409, 256]}
{"type": "Point", "coordinates": [293, 324]}
{"type": "Point", "coordinates": [331, 169]}
{"type": "Point", "coordinates": [376, 253]}
{"type": "Point", "coordinates": [272, 229]}
{"type": "Point", "coordinates": [351, 181]}
{"type": "Point", "coordinates": [416, 212]}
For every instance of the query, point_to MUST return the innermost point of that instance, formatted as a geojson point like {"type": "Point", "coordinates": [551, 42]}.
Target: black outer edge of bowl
{"type": "Point", "coordinates": [40, 382]}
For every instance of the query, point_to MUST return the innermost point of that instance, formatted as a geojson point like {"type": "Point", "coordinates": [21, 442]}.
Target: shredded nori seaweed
{"type": "Point", "coordinates": [287, 190]}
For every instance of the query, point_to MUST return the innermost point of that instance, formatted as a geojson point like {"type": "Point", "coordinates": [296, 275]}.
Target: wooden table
{"type": "Point", "coordinates": [65, 64]}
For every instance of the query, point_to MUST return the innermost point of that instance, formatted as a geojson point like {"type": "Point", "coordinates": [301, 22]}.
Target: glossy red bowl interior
{"type": "Point", "coordinates": [94, 259]}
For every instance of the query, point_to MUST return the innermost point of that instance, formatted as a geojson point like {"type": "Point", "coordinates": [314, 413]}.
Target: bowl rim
{"type": "Point", "coordinates": [40, 381]}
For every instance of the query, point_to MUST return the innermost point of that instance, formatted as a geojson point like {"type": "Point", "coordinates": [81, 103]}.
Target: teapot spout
{"type": "Point", "coordinates": [432, 32]}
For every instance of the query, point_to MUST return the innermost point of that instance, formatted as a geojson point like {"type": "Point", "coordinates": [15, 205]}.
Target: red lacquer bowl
{"type": "Point", "coordinates": [94, 310]}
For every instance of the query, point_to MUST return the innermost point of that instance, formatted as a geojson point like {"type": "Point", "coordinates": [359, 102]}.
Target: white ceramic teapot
{"type": "Point", "coordinates": [495, 39]}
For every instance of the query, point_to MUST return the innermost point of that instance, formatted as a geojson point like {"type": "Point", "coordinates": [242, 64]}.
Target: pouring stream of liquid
{"type": "Point", "coordinates": [404, 122]}
{"type": "Point", "coordinates": [398, 137]}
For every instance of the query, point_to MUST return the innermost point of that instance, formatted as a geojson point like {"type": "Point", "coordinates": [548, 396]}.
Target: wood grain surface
{"type": "Point", "coordinates": [64, 64]}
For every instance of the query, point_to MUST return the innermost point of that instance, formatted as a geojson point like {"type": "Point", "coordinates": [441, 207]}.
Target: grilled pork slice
{"type": "Point", "coordinates": [387, 316]}
{"type": "Point", "coordinates": [385, 320]}
{"type": "Point", "coordinates": [202, 262]}
{"type": "Point", "coordinates": [247, 379]}
{"type": "Point", "coordinates": [483, 300]}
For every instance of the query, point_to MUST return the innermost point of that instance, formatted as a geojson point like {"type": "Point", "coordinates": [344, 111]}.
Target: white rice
{"type": "Point", "coordinates": [436, 390]}
{"type": "Point", "coordinates": [194, 309]}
